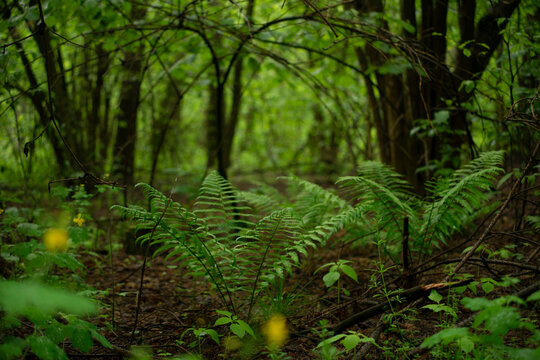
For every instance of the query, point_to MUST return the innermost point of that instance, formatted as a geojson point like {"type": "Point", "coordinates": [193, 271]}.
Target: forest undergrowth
{"type": "Point", "coordinates": [364, 269]}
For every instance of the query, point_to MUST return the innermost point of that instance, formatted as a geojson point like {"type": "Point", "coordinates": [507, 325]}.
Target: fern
{"type": "Point", "coordinates": [217, 240]}
{"type": "Point", "coordinates": [351, 216]}
{"type": "Point", "coordinates": [311, 203]}
{"type": "Point", "coordinates": [386, 199]}
{"type": "Point", "coordinates": [260, 203]}
{"type": "Point", "coordinates": [455, 198]}
{"type": "Point", "coordinates": [240, 257]}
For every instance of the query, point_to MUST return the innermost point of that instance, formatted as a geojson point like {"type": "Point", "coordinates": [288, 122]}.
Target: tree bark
{"type": "Point", "coordinates": [126, 135]}
{"type": "Point", "coordinates": [236, 103]}
{"type": "Point", "coordinates": [403, 99]}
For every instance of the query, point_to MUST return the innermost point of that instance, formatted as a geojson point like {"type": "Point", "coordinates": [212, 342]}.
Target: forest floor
{"type": "Point", "coordinates": [173, 302]}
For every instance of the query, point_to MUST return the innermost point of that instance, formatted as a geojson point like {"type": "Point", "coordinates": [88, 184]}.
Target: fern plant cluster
{"type": "Point", "coordinates": [220, 239]}
{"type": "Point", "coordinates": [245, 243]}
{"type": "Point", "coordinates": [375, 203]}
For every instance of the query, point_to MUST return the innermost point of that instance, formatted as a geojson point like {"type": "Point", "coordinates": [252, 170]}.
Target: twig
{"type": "Point", "coordinates": [139, 293]}
{"type": "Point", "coordinates": [409, 295]}
{"type": "Point", "coordinates": [374, 335]}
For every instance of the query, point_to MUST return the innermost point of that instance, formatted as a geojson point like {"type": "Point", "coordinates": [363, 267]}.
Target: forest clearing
{"type": "Point", "coordinates": [293, 179]}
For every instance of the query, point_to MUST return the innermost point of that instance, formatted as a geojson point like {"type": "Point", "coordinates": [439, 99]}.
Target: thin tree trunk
{"type": "Point", "coordinates": [126, 135]}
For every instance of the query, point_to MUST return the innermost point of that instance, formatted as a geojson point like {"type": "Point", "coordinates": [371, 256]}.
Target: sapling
{"type": "Point", "coordinates": [334, 275]}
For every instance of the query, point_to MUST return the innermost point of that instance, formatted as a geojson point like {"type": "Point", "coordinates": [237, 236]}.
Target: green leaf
{"type": "Point", "coordinates": [12, 347]}
{"type": "Point", "coordinates": [534, 296]}
{"type": "Point", "coordinates": [66, 260]}
{"type": "Point", "coordinates": [45, 348]}
{"type": "Point", "coordinates": [440, 307]}
{"type": "Point", "coordinates": [78, 234]}
{"type": "Point", "coordinates": [222, 321]}
{"type": "Point", "coordinates": [102, 340]}
{"type": "Point", "coordinates": [465, 344]}
{"type": "Point", "coordinates": [29, 229]}
{"type": "Point", "coordinates": [445, 337]}
{"type": "Point", "coordinates": [487, 287]}
{"type": "Point", "coordinates": [331, 340]}
{"type": "Point", "coordinates": [349, 271]}
{"type": "Point", "coordinates": [25, 297]}
{"type": "Point", "coordinates": [524, 354]}
{"type": "Point", "coordinates": [246, 327]}
{"type": "Point", "coordinates": [213, 334]}
{"type": "Point", "coordinates": [238, 330]}
{"type": "Point", "coordinates": [330, 278]}
{"type": "Point", "coordinates": [55, 331]}
{"type": "Point", "coordinates": [350, 341]}
{"type": "Point", "coordinates": [500, 320]}
{"type": "Point", "coordinates": [435, 296]}
{"type": "Point", "coordinates": [224, 313]}
{"type": "Point", "coordinates": [475, 304]}
{"type": "Point", "coordinates": [81, 339]}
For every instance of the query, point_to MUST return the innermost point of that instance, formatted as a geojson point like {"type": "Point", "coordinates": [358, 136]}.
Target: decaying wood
{"type": "Point", "coordinates": [407, 295]}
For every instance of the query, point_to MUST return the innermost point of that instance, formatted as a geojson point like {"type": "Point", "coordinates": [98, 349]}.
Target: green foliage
{"type": "Point", "coordinates": [199, 334]}
{"type": "Point", "coordinates": [217, 240]}
{"type": "Point", "coordinates": [488, 335]}
{"type": "Point", "coordinates": [334, 275]}
{"type": "Point", "coordinates": [456, 197]}
{"type": "Point", "coordinates": [350, 341]}
{"type": "Point", "coordinates": [40, 304]}
{"type": "Point", "coordinates": [387, 200]}
{"type": "Point", "coordinates": [238, 327]}
{"type": "Point", "coordinates": [380, 199]}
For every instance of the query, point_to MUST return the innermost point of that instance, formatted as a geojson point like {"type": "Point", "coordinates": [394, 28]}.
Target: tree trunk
{"type": "Point", "coordinates": [404, 98]}
{"type": "Point", "coordinates": [236, 103]}
{"type": "Point", "coordinates": [126, 135]}
{"type": "Point", "coordinates": [168, 111]}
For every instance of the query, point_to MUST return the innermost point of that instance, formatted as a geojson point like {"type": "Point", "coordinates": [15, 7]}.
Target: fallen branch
{"type": "Point", "coordinates": [408, 295]}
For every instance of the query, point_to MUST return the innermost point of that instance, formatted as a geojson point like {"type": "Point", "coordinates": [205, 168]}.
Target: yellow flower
{"type": "Point", "coordinates": [275, 330]}
{"type": "Point", "coordinates": [1, 211]}
{"type": "Point", "coordinates": [56, 240]}
{"type": "Point", "coordinates": [78, 220]}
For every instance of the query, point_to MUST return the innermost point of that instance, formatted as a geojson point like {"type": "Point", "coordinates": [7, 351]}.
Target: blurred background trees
{"type": "Point", "coordinates": [144, 91]}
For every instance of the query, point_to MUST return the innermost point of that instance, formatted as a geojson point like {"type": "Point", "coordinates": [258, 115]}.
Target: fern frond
{"type": "Point", "coordinates": [350, 216]}
{"type": "Point", "coordinates": [217, 205]}
{"type": "Point", "coordinates": [456, 197]}
{"type": "Point", "coordinates": [312, 203]}
{"type": "Point", "coordinates": [261, 203]}
{"type": "Point", "coordinates": [272, 249]}
{"type": "Point", "coordinates": [386, 199]}
{"type": "Point", "coordinates": [382, 192]}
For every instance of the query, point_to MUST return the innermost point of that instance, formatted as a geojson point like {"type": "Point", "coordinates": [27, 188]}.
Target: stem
{"type": "Point", "coordinates": [338, 288]}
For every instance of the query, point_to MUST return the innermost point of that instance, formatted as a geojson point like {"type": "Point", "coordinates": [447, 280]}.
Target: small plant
{"type": "Point", "coordinates": [350, 341]}
{"type": "Point", "coordinates": [238, 327]}
{"type": "Point", "coordinates": [325, 350]}
{"type": "Point", "coordinates": [487, 335]}
{"type": "Point", "coordinates": [41, 305]}
{"type": "Point", "coordinates": [438, 307]}
{"type": "Point", "coordinates": [334, 275]}
{"type": "Point", "coordinates": [199, 334]}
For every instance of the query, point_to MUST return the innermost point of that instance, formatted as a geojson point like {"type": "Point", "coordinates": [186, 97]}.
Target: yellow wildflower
{"type": "Point", "coordinates": [78, 220]}
{"type": "Point", "coordinates": [1, 211]}
{"type": "Point", "coordinates": [56, 240]}
{"type": "Point", "coordinates": [275, 330]}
